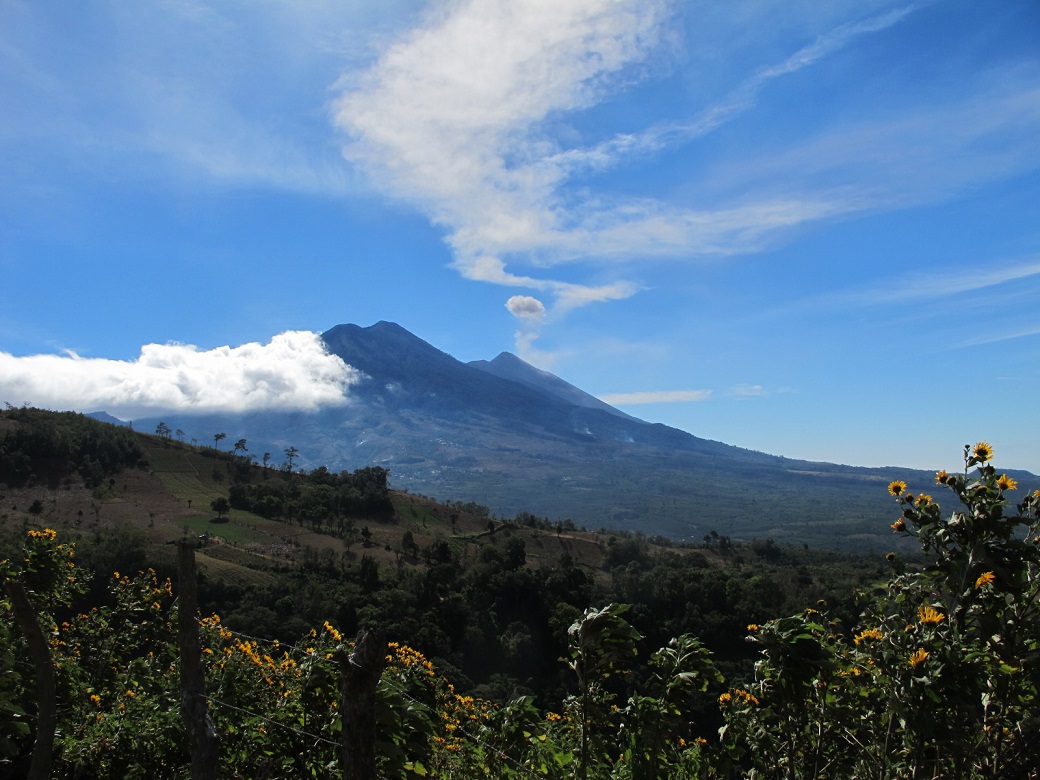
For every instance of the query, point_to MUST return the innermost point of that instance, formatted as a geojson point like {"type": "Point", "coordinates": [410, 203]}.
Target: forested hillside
{"type": "Point", "coordinates": [518, 647]}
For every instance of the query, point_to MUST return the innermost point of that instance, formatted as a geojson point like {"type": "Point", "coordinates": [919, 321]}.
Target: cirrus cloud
{"type": "Point", "coordinates": [464, 116]}
{"type": "Point", "coordinates": [293, 371]}
{"type": "Point", "coordinates": [655, 397]}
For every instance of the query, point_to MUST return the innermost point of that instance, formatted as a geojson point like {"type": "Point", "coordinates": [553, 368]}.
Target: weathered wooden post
{"type": "Point", "coordinates": [360, 673]}
{"type": "Point", "coordinates": [40, 653]}
{"type": "Point", "coordinates": [202, 735]}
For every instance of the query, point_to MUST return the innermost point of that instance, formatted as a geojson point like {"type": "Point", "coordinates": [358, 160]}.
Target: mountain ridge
{"type": "Point", "coordinates": [508, 366]}
{"type": "Point", "coordinates": [516, 439]}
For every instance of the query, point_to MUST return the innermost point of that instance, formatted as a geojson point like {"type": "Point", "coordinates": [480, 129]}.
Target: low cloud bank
{"type": "Point", "coordinates": [292, 372]}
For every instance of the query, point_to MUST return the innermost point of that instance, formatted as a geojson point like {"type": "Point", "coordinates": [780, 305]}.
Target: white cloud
{"type": "Point", "coordinates": [540, 358]}
{"type": "Point", "coordinates": [954, 281]}
{"type": "Point", "coordinates": [655, 397]}
{"type": "Point", "coordinates": [1018, 334]}
{"type": "Point", "coordinates": [737, 102]}
{"type": "Point", "coordinates": [749, 391]}
{"type": "Point", "coordinates": [454, 118]}
{"type": "Point", "coordinates": [449, 118]}
{"type": "Point", "coordinates": [291, 372]}
{"type": "Point", "coordinates": [525, 307]}
{"type": "Point", "coordinates": [568, 295]}
{"type": "Point", "coordinates": [926, 154]}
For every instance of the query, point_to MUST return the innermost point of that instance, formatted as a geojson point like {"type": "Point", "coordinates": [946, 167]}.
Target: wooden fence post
{"type": "Point", "coordinates": [40, 652]}
{"type": "Point", "coordinates": [202, 735]}
{"type": "Point", "coordinates": [361, 671]}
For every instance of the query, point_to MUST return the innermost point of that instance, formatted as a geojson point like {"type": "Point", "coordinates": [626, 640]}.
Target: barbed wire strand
{"type": "Point", "coordinates": [258, 716]}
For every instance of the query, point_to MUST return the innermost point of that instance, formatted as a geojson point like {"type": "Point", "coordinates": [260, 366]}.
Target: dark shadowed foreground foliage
{"type": "Point", "coordinates": [658, 663]}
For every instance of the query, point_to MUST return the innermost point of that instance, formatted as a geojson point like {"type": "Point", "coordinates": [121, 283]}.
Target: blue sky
{"type": "Point", "coordinates": [811, 229]}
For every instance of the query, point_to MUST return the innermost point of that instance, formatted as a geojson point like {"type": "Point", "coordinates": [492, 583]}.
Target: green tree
{"type": "Point", "coordinates": [290, 456]}
{"type": "Point", "coordinates": [221, 506]}
{"type": "Point", "coordinates": [408, 545]}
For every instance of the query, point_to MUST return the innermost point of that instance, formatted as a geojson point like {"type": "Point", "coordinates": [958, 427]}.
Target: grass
{"type": "Point", "coordinates": [230, 531]}
{"type": "Point", "coordinates": [235, 572]}
{"type": "Point", "coordinates": [172, 496]}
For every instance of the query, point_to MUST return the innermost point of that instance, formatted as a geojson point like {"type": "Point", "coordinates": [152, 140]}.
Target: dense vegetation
{"type": "Point", "coordinates": [501, 668]}
{"type": "Point", "coordinates": [48, 446]}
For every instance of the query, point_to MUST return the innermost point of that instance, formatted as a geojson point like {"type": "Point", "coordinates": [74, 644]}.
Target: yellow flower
{"type": "Point", "coordinates": [918, 657]}
{"type": "Point", "coordinates": [746, 696]}
{"type": "Point", "coordinates": [923, 500]}
{"type": "Point", "coordinates": [986, 578]}
{"type": "Point", "coordinates": [896, 487]}
{"type": "Point", "coordinates": [930, 616]}
{"type": "Point", "coordinates": [899, 525]}
{"type": "Point", "coordinates": [942, 477]}
{"type": "Point", "coordinates": [982, 451]}
{"type": "Point", "coordinates": [725, 699]}
{"type": "Point", "coordinates": [752, 627]}
{"type": "Point", "coordinates": [870, 633]}
{"type": "Point", "coordinates": [1004, 482]}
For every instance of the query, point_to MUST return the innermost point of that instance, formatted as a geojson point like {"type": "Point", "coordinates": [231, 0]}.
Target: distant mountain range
{"type": "Point", "coordinates": [514, 438]}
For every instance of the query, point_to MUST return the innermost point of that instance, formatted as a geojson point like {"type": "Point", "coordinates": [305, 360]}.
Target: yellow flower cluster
{"type": "Point", "coordinates": [740, 695]}
{"type": "Point", "coordinates": [46, 533]}
{"type": "Point", "coordinates": [918, 657]}
{"type": "Point", "coordinates": [930, 616]}
{"type": "Point", "coordinates": [213, 622]}
{"type": "Point", "coordinates": [409, 658]}
{"type": "Point", "coordinates": [873, 634]}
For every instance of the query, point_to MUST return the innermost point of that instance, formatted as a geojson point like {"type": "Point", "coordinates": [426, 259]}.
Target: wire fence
{"type": "Point", "coordinates": [390, 683]}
